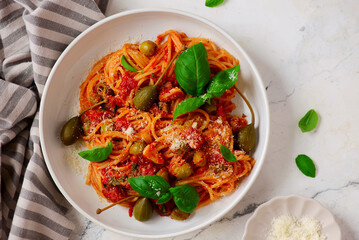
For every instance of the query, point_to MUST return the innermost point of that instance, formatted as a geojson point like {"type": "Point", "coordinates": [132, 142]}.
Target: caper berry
{"type": "Point", "coordinates": [145, 97]}
{"type": "Point", "coordinates": [182, 171]}
{"type": "Point", "coordinates": [148, 48]}
{"type": "Point", "coordinates": [71, 131]}
{"type": "Point", "coordinates": [137, 147]}
{"type": "Point", "coordinates": [247, 138]}
{"type": "Point", "coordinates": [142, 210]}
{"type": "Point", "coordinates": [179, 215]}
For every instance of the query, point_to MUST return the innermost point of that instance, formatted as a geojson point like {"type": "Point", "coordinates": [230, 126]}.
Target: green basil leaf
{"type": "Point", "coordinates": [192, 70]}
{"type": "Point", "coordinates": [227, 154]}
{"type": "Point", "coordinates": [165, 198]}
{"type": "Point", "coordinates": [309, 121]}
{"type": "Point", "coordinates": [223, 80]}
{"type": "Point", "coordinates": [152, 186]}
{"type": "Point", "coordinates": [189, 105]}
{"type": "Point", "coordinates": [305, 165]}
{"type": "Point", "coordinates": [97, 154]}
{"type": "Point", "coordinates": [126, 65]}
{"type": "Point", "coordinates": [185, 197]}
{"type": "Point", "coordinates": [213, 3]}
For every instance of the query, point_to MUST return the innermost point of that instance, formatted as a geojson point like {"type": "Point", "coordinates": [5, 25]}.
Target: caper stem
{"type": "Point", "coordinates": [168, 66]}
{"type": "Point", "coordinates": [99, 210]}
{"type": "Point", "coordinates": [247, 102]}
{"type": "Point", "coordinates": [89, 108]}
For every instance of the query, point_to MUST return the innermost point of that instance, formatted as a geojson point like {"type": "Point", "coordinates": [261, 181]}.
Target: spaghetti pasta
{"type": "Point", "coordinates": [192, 140]}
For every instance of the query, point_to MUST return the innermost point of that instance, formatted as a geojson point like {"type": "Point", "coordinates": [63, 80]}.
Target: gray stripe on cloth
{"type": "Point", "coordinates": [5, 3]}
{"type": "Point", "coordinates": [29, 109]}
{"type": "Point", "coordinates": [36, 158]}
{"type": "Point", "coordinates": [37, 217]}
{"type": "Point", "coordinates": [3, 86]}
{"type": "Point", "coordinates": [35, 180]}
{"type": "Point", "coordinates": [24, 78]}
{"type": "Point", "coordinates": [19, 157]}
{"type": "Point", "coordinates": [50, 25]}
{"type": "Point", "coordinates": [43, 61]}
{"type": "Point", "coordinates": [40, 78]}
{"type": "Point", "coordinates": [40, 199]}
{"type": "Point", "coordinates": [68, 13]}
{"type": "Point", "coordinates": [27, 234]}
{"type": "Point", "coordinates": [12, 102]}
{"type": "Point", "coordinates": [27, 4]}
{"type": "Point", "coordinates": [12, 16]}
{"type": "Point", "coordinates": [47, 43]}
{"type": "Point", "coordinates": [27, 29]}
{"type": "Point", "coordinates": [24, 59]}
{"type": "Point", "coordinates": [13, 37]}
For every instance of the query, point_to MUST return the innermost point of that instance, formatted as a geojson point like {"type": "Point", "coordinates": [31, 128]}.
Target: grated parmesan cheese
{"type": "Point", "coordinates": [129, 131]}
{"type": "Point", "coordinates": [177, 143]}
{"type": "Point", "coordinates": [77, 163]}
{"type": "Point", "coordinates": [219, 120]}
{"type": "Point", "coordinates": [288, 227]}
{"type": "Point", "coordinates": [194, 125]}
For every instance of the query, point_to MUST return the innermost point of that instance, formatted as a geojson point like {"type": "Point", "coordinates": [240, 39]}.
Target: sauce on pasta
{"type": "Point", "coordinates": [191, 141]}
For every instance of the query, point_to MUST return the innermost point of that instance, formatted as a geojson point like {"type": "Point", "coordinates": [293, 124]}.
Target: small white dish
{"type": "Point", "coordinates": [60, 102]}
{"type": "Point", "coordinates": [259, 224]}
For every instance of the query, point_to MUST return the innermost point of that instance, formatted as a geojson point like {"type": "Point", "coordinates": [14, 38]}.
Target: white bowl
{"type": "Point", "coordinates": [60, 102]}
{"type": "Point", "coordinates": [259, 224]}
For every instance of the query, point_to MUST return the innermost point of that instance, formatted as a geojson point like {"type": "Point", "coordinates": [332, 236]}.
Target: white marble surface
{"type": "Point", "coordinates": [307, 52]}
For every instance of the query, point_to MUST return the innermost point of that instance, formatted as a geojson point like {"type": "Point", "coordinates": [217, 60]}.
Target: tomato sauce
{"type": "Point", "coordinates": [95, 116]}
{"type": "Point", "coordinates": [143, 166]}
{"type": "Point", "coordinates": [121, 123]}
{"type": "Point", "coordinates": [194, 137]}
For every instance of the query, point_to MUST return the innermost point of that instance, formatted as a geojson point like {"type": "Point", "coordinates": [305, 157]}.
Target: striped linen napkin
{"type": "Point", "coordinates": [33, 33]}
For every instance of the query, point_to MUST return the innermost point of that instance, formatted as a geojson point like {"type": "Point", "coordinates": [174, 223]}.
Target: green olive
{"type": "Point", "coordinates": [71, 131]}
{"type": "Point", "coordinates": [179, 215]}
{"type": "Point", "coordinates": [137, 147]}
{"type": "Point", "coordinates": [247, 138]}
{"type": "Point", "coordinates": [148, 48]}
{"type": "Point", "coordinates": [142, 209]}
{"type": "Point", "coordinates": [182, 171]}
{"type": "Point", "coordinates": [145, 97]}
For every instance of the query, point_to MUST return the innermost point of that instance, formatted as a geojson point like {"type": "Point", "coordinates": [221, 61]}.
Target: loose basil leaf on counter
{"type": "Point", "coordinates": [185, 197]}
{"type": "Point", "coordinates": [192, 70]}
{"type": "Point", "coordinates": [189, 105]}
{"type": "Point", "coordinates": [152, 186]}
{"type": "Point", "coordinates": [227, 154]}
{"type": "Point", "coordinates": [223, 80]}
{"type": "Point", "coordinates": [213, 3]}
{"type": "Point", "coordinates": [309, 121]}
{"type": "Point", "coordinates": [165, 198]}
{"type": "Point", "coordinates": [305, 165]}
{"type": "Point", "coordinates": [97, 154]}
{"type": "Point", "coordinates": [126, 65]}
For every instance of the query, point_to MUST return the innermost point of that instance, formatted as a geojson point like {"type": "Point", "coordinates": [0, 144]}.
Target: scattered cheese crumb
{"type": "Point", "coordinates": [194, 125]}
{"type": "Point", "coordinates": [288, 227]}
{"type": "Point", "coordinates": [129, 131]}
{"type": "Point", "coordinates": [219, 120]}
{"type": "Point", "coordinates": [77, 163]}
{"type": "Point", "coordinates": [177, 143]}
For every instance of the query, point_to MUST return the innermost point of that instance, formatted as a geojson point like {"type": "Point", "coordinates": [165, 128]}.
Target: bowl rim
{"type": "Point", "coordinates": [161, 10]}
